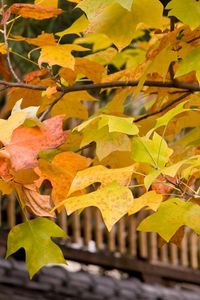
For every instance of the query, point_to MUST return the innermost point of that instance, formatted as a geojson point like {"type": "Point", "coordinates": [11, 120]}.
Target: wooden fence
{"type": "Point", "coordinates": [87, 231]}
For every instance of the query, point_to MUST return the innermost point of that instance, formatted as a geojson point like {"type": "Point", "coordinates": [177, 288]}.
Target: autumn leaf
{"type": "Point", "coordinates": [26, 143]}
{"type": "Point", "coordinates": [153, 151]}
{"type": "Point", "coordinates": [52, 3]}
{"type": "Point", "coordinates": [6, 188]}
{"type": "Point", "coordinates": [187, 12]}
{"type": "Point", "coordinates": [150, 199]}
{"type": "Point", "coordinates": [83, 67]}
{"type": "Point", "coordinates": [99, 41]}
{"type": "Point", "coordinates": [3, 48]}
{"type": "Point", "coordinates": [59, 55]}
{"type": "Point", "coordinates": [113, 201]}
{"type": "Point", "coordinates": [106, 142]}
{"type": "Point", "coordinates": [170, 216]}
{"type": "Point", "coordinates": [35, 74]}
{"type": "Point", "coordinates": [36, 204]}
{"type": "Point", "coordinates": [190, 63]}
{"type": "Point", "coordinates": [78, 26]}
{"type": "Point", "coordinates": [113, 19]}
{"type": "Point", "coordinates": [61, 172]}
{"type": "Point", "coordinates": [44, 39]}
{"type": "Point", "coordinates": [33, 11]}
{"type": "Point", "coordinates": [71, 105]}
{"type": "Point", "coordinates": [35, 237]}
{"type": "Point", "coordinates": [8, 126]}
{"type": "Point", "coordinates": [102, 175]}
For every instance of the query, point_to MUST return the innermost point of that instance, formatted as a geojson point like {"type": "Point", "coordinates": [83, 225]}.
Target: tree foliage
{"type": "Point", "coordinates": [121, 81]}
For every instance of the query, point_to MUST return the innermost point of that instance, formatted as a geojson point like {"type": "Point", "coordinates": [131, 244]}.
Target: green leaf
{"type": "Point", "coordinates": [110, 18]}
{"type": "Point", "coordinates": [113, 201]}
{"type": "Point", "coordinates": [35, 237]}
{"type": "Point", "coordinates": [170, 216]}
{"type": "Point", "coordinates": [114, 123]}
{"type": "Point", "coordinates": [168, 116]}
{"type": "Point", "coordinates": [119, 124]}
{"type": "Point", "coordinates": [190, 63]}
{"type": "Point", "coordinates": [109, 133]}
{"type": "Point", "coordinates": [153, 151]}
{"type": "Point", "coordinates": [106, 142]}
{"type": "Point", "coordinates": [187, 12]}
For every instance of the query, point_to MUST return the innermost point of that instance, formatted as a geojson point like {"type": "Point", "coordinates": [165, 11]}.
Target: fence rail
{"type": "Point", "coordinates": [87, 231]}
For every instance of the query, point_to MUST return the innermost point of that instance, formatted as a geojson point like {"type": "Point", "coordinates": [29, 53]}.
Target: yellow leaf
{"type": "Point", "coordinates": [7, 126]}
{"type": "Point", "coordinates": [113, 201]}
{"type": "Point", "coordinates": [84, 68]}
{"type": "Point", "coordinates": [99, 41]}
{"type": "Point", "coordinates": [102, 175]}
{"type": "Point", "coordinates": [150, 199]}
{"type": "Point", "coordinates": [70, 105]}
{"type": "Point", "coordinates": [112, 19]}
{"type": "Point", "coordinates": [78, 26]}
{"type": "Point", "coordinates": [5, 187]}
{"type": "Point", "coordinates": [3, 48]}
{"type": "Point", "coordinates": [59, 55]}
{"type": "Point", "coordinates": [116, 159]}
{"type": "Point", "coordinates": [106, 142]}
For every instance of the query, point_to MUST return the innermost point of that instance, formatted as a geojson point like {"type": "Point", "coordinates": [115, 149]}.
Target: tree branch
{"type": "Point", "coordinates": [163, 108]}
{"type": "Point", "coordinates": [192, 87]}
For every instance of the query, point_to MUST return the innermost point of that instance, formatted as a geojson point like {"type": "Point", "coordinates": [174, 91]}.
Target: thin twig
{"type": "Point", "coordinates": [163, 108]}
{"type": "Point", "coordinates": [7, 47]}
{"type": "Point", "coordinates": [47, 111]}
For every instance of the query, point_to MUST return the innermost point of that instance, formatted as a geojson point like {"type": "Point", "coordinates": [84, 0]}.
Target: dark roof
{"type": "Point", "coordinates": [57, 283]}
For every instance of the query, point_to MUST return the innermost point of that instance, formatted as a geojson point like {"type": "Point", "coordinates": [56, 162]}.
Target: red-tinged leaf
{"type": "Point", "coordinates": [5, 167]}
{"type": "Point", "coordinates": [26, 142]}
{"type": "Point", "coordinates": [164, 185]}
{"type": "Point", "coordinates": [32, 11]}
{"type": "Point", "coordinates": [3, 69]}
{"type": "Point", "coordinates": [35, 74]}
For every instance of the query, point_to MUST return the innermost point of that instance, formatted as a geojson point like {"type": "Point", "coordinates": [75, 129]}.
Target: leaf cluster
{"type": "Point", "coordinates": [122, 81]}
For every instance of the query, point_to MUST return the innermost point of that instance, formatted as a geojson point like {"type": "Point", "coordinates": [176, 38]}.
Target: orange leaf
{"type": "Point", "coordinates": [5, 166]}
{"type": "Point", "coordinates": [61, 172]}
{"type": "Point", "coordinates": [37, 12]}
{"type": "Point", "coordinates": [43, 39]}
{"type": "Point", "coordinates": [26, 142]}
{"type": "Point", "coordinates": [35, 74]}
{"type": "Point", "coordinates": [50, 91]}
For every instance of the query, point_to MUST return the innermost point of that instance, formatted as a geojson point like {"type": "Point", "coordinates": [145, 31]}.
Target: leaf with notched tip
{"type": "Point", "coordinates": [113, 200]}
{"type": "Point", "coordinates": [35, 237]}
{"type": "Point", "coordinates": [102, 175]}
{"type": "Point", "coordinates": [170, 216]}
